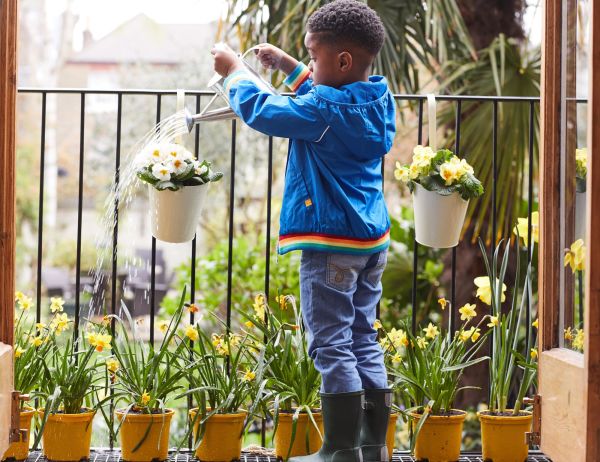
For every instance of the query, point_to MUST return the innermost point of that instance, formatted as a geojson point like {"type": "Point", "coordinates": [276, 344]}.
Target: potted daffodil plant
{"type": "Point", "coordinates": [177, 185]}
{"type": "Point", "coordinates": [441, 185]}
{"type": "Point", "coordinates": [426, 368]}
{"type": "Point", "coordinates": [504, 424]}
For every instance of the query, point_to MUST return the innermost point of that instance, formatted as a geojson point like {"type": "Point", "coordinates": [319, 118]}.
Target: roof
{"type": "Point", "coordinates": [142, 40]}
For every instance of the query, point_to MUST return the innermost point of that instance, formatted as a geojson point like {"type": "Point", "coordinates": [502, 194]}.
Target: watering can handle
{"type": "Point", "coordinates": [431, 110]}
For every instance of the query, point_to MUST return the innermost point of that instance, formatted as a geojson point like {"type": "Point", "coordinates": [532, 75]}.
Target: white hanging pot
{"type": "Point", "coordinates": [174, 215]}
{"type": "Point", "coordinates": [580, 213]}
{"type": "Point", "coordinates": [438, 219]}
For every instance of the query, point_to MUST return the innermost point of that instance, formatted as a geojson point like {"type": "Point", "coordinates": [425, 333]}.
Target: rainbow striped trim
{"type": "Point", "coordinates": [297, 77]}
{"type": "Point", "coordinates": [234, 78]}
{"type": "Point", "coordinates": [330, 243]}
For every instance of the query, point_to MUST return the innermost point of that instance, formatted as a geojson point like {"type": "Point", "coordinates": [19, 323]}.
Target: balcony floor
{"type": "Point", "coordinates": [106, 455]}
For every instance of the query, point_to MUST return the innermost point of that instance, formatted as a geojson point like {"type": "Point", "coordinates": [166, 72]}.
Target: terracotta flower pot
{"type": "Point", "coordinates": [222, 439]}
{"type": "Point", "coordinates": [299, 446]}
{"type": "Point", "coordinates": [390, 437]}
{"type": "Point", "coordinates": [20, 450]}
{"type": "Point", "coordinates": [440, 437]}
{"type": "Point", "coordinates": [144, 437]}
{"type": "Point", "coordinates": [67, 437]}
{"type": "Point", "coordinates": [503, 437]}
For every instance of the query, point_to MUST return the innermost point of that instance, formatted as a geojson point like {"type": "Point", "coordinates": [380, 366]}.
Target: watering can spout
{"type": "Point", "coordinates": [224, 113]}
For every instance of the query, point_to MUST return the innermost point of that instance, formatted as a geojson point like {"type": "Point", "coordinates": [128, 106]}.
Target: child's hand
{"type": "Point", "coordinates": [226, 61]}
{"type": "Point", "coordinates": [269, 55]}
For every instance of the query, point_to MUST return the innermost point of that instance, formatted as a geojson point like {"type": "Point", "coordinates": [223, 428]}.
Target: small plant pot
{"type": "Point", "coordinates": [438, 219]}
{"type": "Point", "coordinates": [300, 445]}
{"type": "Point", "coordinates": [440, 437]}
{"type": "Point", "coordinates": [20, 450]}
{"type": "Point", "coordinates": [144, 437]}
{"type": "Point", "coordinates": [580, 215]}
{"type": "Point", "coordinates": [67, 437]}
{"type": "Point", "coordinates": [222, 439]}
{"type": "Point", "coordinates": [503, 437]}
{"type": "Point", "coordinates": [390, 437]}
{"type": "Point", "coordinates": [174, 215]}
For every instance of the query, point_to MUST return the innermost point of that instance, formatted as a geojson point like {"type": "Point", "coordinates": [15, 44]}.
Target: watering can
{"type": "Point", "coordinates": [216, 83]}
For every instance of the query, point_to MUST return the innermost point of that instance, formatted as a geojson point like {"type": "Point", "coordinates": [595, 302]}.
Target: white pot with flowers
{"type": "Point", "coordinates": [177, 183]}
{"type": "Point", "coordinates": [580, 192]}
{"type": "Point", "coordinates": [442, 185]}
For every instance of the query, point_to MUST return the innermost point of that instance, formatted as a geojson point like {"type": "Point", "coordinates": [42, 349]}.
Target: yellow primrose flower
{"type": "Point", "coordinates": [534, 353]}
{"type": "Point", "coordinates": [421, 342]}
{"type": "Point", "coordinates": [443, 303]}
{"type": "Point", "coordinates": [402, 173]}
{"type": "Point", "coordinates": [19, 351]}
{"type": "Point", "coordinates": [249, 324]}
{"type": "Point", "coordinates": [475, 335]}
{"type": "Point", "coordinates": [377, 324]}
{"type": "Point", "coordinates": [163, 325]}
{"type": "Point", "coordinates": [493, 321]}
{"type": "Point", "coordinates": [145, 399]}
{"type": "Point", "coordinates": [568, 334]}
{"type": "Point", "coordinates": [535, 323]}
{"type": "Point", "coordinates": [521, 227]}
{"type": "Point", "coordinates": [259, 306]}
{"type": "Point", "coordinates": [99, 341]}
{"type": "Point", "coordinates": [36, 341]}
{"type": "Point", "coordinates": [484, 291]}
{"type": "Point", "coordinates": [191, 333]}
{"type": "Point", "coordinates": [56, 304]}
{"type": "Point", "coordinates": [249, 376]}
{"type": "Point", "coordinates": [431, 331]}
{"type": "Point", "coordinates": [112, 365]}
{"type": "Point", "coordinates": [413, 171]}
{"type": "Point", "coordinates": [579, 340]}
{"type": "Point", "coordinates": [575, 256]}
{"type": "Point", "coordinates": [467, 312]}
{"type": "Point", "coordinates": [449, 173]}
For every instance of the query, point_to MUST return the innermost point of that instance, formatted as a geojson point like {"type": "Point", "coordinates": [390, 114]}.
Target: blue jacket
{"type": "Point", "coordinates": [333, 198]}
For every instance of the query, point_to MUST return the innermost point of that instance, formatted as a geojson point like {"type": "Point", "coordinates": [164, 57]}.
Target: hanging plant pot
{"type": "Point", "coordinates": [440, 437]}
{"type": "Point", "coordinates": [20, 450]}
{"type": "Point", "coordinates": [300, 445]}
{"type": "Point", "coordinates": [174, 215]}
{"type": "Point", "coordinates": [390, 437]}
{"type": "Point", "coordinates": [144, 437]}
{"type": "Point", "coordinates": [222, 438]}
{"type": "Point", "coordinates": [503, 437]}
{"type": "Point", "coordinates": [67, 437]}
{"type": "Point", "coordinates": [438, 219]}
{"type": "Point", "coordinates": [580, 215]}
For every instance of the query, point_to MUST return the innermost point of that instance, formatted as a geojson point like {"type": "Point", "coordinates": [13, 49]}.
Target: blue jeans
{"type": "Point", "coordinates": [338, 296]}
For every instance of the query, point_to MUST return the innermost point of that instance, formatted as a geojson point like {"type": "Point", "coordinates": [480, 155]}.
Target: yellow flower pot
{"type": "Point", "coordinates": [283, 435]}
{"type": "Point", "coordinates": [440, 437]}
{"type": "Point", "coordinates": [503, 437]}
{"type": "Point", "coordinates": [151, 430]}
{"type": "Point", "coordinates": [222, 439]}
{"type": "Point", "coordinates": [67, 437]}
{"type": "Point", "coordinates": [390, 437]}
{"type": "Point", "coordinates": [20, 451]}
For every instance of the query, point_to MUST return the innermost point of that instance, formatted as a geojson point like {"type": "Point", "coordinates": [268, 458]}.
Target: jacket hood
{"type": "Point", "coordinates": [361, 114]}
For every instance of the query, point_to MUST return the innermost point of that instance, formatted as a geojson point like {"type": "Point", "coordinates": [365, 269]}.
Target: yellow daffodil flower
{"type": "Point", "coordinates": [465, 335]}
{"type": "Point", "coordinates": [581, 162]}
{"type": "Point", "coordinates": [396, 358]}
{"type": "Point", "coordinates": [145, 398]}
{"type": "Point", "coordinates": [568, 334]}
{"type": "Point", "coordinates": [36, 341]}
{"type": "Point", "coordinates": [220, 345]}
{"type": "Point", "coordinates": [493, 321]}
{"type": "Point", "coordinates": [19, 351]}
{"type": "Point", "coordinates": [249, 376]}
{"type": "Point", "coordinates": [398, 338]}
{"type": "Point", "coordinates": [192, 308]}
{"type": "Point", "coordinates": [467, 312]}
{"type": "Point", "coordinates": [579, 340]}
{"type": "Point", "coordinates": [259, 306]}
{"type": "Point", "coordinates": [99, 341]}
{"type": "Point", "coordinates": [282, 300]}
{"type": "Point", "coordinates": [56, 304]}
{"type": "Point", "coordinates": [249, 324]}
{"type": "Point", "coordinates": [106, 320]}
{"type": "Point", "coordinates": [421, 342]}
{"type": "Point", "coordinates": [534, 353]}
{"type": "Point", "coordinates": [431, 331]}
{"type": "Point", "coordinates": [377, 324]}
{"type": "Point", "coordinates": [484, 291]}
{"type": "Point", "coordinates": [25, 303]}
{"type": "Point", "coordinates": [19, 296]}
{"type": "Point", "coordinates": [535, 323]}
{"type": "Point", "coordinates": [60, 323]}
{"type": "Point", "coordinates": [163, 325]}
{"type": "Point", "coordinates": [521, 227]}
{"type": "Point", "coordinates": [575, 256]}
{"type": "Point", "coordinates": [191, 333]}
{"type": "Point", "coordinates": [443, 303]}
{"type": "Point", "coordinates": [475, 335]}
{"type": "Point", "coordinates": [112, 365]}
{"type": "Point", "coordinates": [40, 325]}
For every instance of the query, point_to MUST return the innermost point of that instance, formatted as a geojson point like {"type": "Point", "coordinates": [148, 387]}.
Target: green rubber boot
{"type": "Point", "coordinates": [342, 419]}
{"type": "Point", "coordinates": [378, 405]}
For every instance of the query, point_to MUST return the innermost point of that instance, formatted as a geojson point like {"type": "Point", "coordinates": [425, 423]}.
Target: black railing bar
{"type": "Point", "coordinates": [452, 312]}
{"type": "Point", "coordinates": [153, 256]}
{"type": "Point", "coordinates": [38, 292]}
{"type": "Point", "coordinates": [529, 213]}
{"type": "Point", "coordinates": [231, 222]}
{"type": "Point", "coordinates": [79, 217]}
{"type": "Point", "coordinates": [415, 243]}
{"type": "Point", "coordinates": [495, 175]}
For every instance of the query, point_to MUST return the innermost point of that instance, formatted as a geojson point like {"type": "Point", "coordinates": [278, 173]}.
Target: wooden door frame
{"type": "Point", "coordinates": [550, 251]}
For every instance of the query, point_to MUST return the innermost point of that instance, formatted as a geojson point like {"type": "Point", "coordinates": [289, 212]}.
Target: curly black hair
{"type": "Point", "coordinates": [349, 21]}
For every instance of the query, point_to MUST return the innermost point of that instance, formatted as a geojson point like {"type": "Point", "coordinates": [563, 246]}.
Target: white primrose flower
{"type": "Point", "coordinates": [178, 165]}
{"type": "Point", "coordinates": [201, 169]}
{"type": "Point", "coordinates": [162, 171]}
{"type": "Point", "coordinates": [175, 151]}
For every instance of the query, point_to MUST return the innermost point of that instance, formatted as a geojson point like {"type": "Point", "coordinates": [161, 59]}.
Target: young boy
{"type": "Point", "coordinates": [340, 125]}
